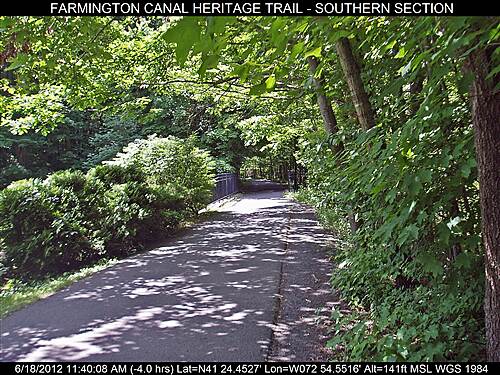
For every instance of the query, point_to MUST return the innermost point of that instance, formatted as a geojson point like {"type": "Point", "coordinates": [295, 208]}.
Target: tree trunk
{"type": "Point", "coordinates": [329, 119]}
{"type": "Point", "coordinates": [352, 74]}
{"type": "Point", "coordinates": [325, 106]}
{"type": "Point", "coordinates": [485, 116]}
{"type": "Point", "coordinates": [364, 111]}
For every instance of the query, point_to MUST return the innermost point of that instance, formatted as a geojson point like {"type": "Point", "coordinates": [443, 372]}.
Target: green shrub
{"type": "Point", "coordinates": [223, 165]}
{"type": "Point", "coordinates": [72, 219]}
{"type": "Point", "coordinates": [131, 211]}
{"type": "Point", "coordinates": [41, 230]}
{"type": "Point", "coordinates": [11, 172]}
{"type": "Point", "coordinates": [407, 317]}
{"type": "Point", "coordinates": [178, 166]}
{"type": "Point", "coordinates": [412, 271]}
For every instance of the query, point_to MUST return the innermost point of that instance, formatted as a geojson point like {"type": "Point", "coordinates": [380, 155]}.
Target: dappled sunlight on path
{"type": "Point", "coordinates": [209, 294]}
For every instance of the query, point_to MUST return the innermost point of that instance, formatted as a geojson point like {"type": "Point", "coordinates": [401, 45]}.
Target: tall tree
{"type": "Point", "coordinates": [352, 74]}
{"type": "Point", "coordinates": [485, 100]}
{"type": "Point", "coordinates": [325, 105]}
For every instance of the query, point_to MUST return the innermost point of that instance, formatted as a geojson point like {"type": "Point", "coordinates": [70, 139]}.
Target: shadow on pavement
{"type": "Point", "coordinates": [208, 295]}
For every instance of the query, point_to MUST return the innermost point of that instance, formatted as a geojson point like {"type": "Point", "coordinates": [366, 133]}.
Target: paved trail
{"type": "Point", "coordinates": [246, 285]}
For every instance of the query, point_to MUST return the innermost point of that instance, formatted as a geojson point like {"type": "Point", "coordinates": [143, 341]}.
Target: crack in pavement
{"type": "Point", "coordinates": [306, 298]}
{"type": "Point", "coordinates": [279, 295]}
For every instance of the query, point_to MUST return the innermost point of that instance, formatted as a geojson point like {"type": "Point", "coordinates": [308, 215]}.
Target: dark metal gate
{"type": "Point", "coordinates": [225, 184]}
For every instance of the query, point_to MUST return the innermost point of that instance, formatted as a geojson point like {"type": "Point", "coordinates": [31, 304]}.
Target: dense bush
{"type": "Point", "coordinates": [180, 168]}
{"type": "Point", "coordinates": [42, 229]}
{"type": "Point", "coordinates": [72, 219]}
{"type": "Point", "coordinates": [130, 211]}
{"type": "Point", "coordinates": [412, 273]}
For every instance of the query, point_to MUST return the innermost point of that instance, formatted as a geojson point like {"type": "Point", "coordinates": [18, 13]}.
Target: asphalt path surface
{"type": "Point", "coordinates": [249, 284]}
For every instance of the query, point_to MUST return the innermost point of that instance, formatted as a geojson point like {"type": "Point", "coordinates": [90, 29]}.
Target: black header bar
{"type": "Point", "coordinates": [251, 8]}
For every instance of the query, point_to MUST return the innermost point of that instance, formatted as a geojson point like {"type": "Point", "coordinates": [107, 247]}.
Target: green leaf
{"type": "Point", "coordinates": [430, 264]}
{"type": "Point", "coordinates": [401, 53]}
{"type": "Point", "coordinates": [433, 331]}
{"type": "Point", "coordinates": [17, 62]}
{"type": "Point", "coordinates": [258, 89]}
{"type": "Point", "coordinates": [464, 83]}
{"type": "Point", "coordinates": [463, 260]}
{"type": "Point", "coordinates": [493, 72]}
{"type": "Point", "coordinates": [297, 49]}
{"type": "Point", "coordinates": [408, 233]}
{"type": "Point", "coordinates": [218, 24]}
{"type": "Point", "coordinates": [444, 234]}
{"type": "Point", "coordinates": [413, 184]}
{"type": "Point", "coordinates": [314, 52]}
{"type": "Point", "coordinates": [270, 83]}
{"type": "Point", "coordinates": [209, 61]}
{"type": "Point", "coordinates": [415, 63]}
{"type": "Point", "coordinates": [425, 175]}
{"type": "Point", "coordinates": [389, 45]}
{"type": "Point", "coordinates": [466, 168]}
{"type": "Point", "coordinates": [185, 34]}
{"type": "Point", "coordinates": [242, 71]}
